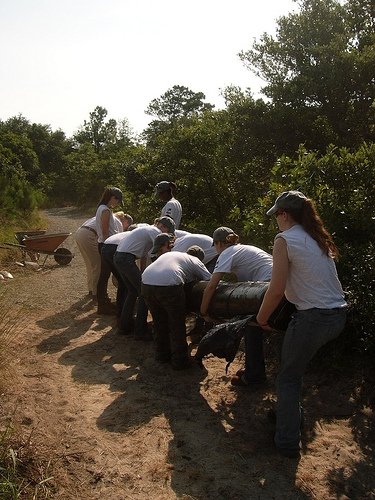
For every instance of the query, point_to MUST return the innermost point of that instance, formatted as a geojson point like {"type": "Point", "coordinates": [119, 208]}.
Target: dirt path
{"type": "Point", "coordinates": [117, 425]}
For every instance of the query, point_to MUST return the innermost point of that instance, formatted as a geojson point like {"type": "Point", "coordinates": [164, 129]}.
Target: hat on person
{"type": "Point", "coordinates": [162, 186]}
{"type": "Point", "coordinates": [117, 193]}
{"type": "Point", "coordinates": [161, 240]}
{"type": "Point", "coordinates": [168, 222]}
{"type": "Point", "coordinates": [288, 200]}
{"type": "Point", "coordinates": [221, 233]}
{"type": "Point", "coordinates": [196, 251]}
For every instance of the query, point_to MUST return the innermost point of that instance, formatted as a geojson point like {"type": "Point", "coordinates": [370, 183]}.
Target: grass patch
{"type": "Point", "coordinates": [22, 474]}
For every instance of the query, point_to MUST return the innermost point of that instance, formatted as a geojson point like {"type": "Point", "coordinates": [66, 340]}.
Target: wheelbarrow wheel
{"type": "Point", "coordinates": [63, 256]}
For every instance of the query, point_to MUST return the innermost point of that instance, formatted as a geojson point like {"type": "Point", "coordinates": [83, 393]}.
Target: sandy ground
{"type": "Point", "coordinates": [114, 424]}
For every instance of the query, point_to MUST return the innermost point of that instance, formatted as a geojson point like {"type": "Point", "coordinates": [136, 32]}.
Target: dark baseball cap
{"type": "Point", "coordinates": [221, 233]}
{"type": "Point", "coordinates": [160, 240]}
{"type": "Point", "coordinates": [288, 200]}
{"type": "Point", "coordinates": [168, 222]}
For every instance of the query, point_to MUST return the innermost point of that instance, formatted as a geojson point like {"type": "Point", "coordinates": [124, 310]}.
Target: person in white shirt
{"type": "Point", "coordinates": [136, 245]}
{"type": "Point", "coordinates": [107, 253]}
{"type": "Point", "coordinates": [172, 208]}
{"type": "Point", "coordinates": [248, 263]}
{"type": "Point", "coordinates": [202, 240]}
{"type": "Point", "coordinates": [86, 238]}
{"type": "Point", "coordinates": [106, 225]}
{"type": "Point", "coordinates": [304, 269]}
{"type": "Point", "coordinates": [163, 289]}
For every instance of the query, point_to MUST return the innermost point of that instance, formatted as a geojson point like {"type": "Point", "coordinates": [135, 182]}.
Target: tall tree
{"type": "Point", "coordinates": [321, 62]}
{"type": "Point", "coordinates": [178, 102]}
{"type": "Point", "coordinates": [96, 130]}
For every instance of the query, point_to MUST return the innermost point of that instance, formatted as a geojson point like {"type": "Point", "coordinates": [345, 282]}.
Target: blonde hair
{"type": "Point", "coordinates": [120, 215]}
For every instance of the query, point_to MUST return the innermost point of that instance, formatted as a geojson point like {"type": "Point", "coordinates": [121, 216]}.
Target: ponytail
{"type": "Point", "coordinates": [311, 222]}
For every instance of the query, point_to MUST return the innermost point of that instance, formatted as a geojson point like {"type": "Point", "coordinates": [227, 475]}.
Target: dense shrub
{"type": "Point", "coordinates": [341, 183]}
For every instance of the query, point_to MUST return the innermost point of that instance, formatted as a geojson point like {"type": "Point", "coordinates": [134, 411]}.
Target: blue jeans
{"type": "Point", "coordinates": [307, 331]}
{"type": "Point", "coordinates": [131, 277]}
{"type": "Point", "coordinates": [105, 273]}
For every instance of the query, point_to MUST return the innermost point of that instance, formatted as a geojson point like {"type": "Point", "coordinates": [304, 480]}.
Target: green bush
{"type": "Point", "coordinates": [341, 183]}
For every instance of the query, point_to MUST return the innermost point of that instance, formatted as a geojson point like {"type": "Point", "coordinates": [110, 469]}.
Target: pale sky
{"type": "Point", "coordinates": [59, 59]}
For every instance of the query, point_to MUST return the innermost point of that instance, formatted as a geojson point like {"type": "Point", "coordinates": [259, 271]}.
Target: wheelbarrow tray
{"type": "Point", "coordinates": [44, 243]}
{"type": "Point", "coordinates": [21, 235]}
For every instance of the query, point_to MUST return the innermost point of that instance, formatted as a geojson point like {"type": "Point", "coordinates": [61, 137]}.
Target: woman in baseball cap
{"type": "Point", "coordinates": [304, 270]}
{"type": "Point", "coordinates": [106, 225]}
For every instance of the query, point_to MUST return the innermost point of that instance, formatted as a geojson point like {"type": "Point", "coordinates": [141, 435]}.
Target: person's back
{"type": "Point", "coordinates": [249, 263]}
{"type": "Point", "coordinates": [312, 279]}
{"type": "Point", "coordinates": [174, 268]}
{"type": "Point", "coordinates": [139, 241]}
{"type": "Point", "coordinates": [202, 240]}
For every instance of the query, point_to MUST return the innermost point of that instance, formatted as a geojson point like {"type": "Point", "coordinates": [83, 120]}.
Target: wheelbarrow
{"type": "Point", "coordinates": [40, 242]}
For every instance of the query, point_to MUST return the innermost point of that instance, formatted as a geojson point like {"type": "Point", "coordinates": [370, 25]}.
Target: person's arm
{"type": "Point", "coordinates": [143, 263]}
{"type": "Point", "coordinates": [209, 292]}
{"type": "Point", "coordinates": [105, 223]}
{"type": "Point", "coordinates": [276, 288]}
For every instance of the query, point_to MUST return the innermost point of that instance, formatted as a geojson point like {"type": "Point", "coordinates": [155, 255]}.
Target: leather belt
{"type": "Point", "coordinates": [90, 229]}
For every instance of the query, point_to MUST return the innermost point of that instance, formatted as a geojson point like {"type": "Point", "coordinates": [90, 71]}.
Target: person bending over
{"type": "Point", "coordinates": [248, 263]}
{"type": "Point", "coordinates": [163, 289]}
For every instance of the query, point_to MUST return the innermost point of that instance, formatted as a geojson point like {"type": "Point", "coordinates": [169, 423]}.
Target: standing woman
{"type": "Point", "coordinates": [172, 208]}
{"type": "Point", "coordinates": [303, 269]}
{"type": "Point", "coordinates": [87, 241]}
{"type": "Point", "coordinates": [248, 263]}
{"type": "Point", "coordinates": [106, 225]}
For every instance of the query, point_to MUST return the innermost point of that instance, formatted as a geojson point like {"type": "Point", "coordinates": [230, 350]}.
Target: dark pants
{"type": "Point", "coordinates": [254, 357]}
{"type": "Point", "coordinates": [168, 308]}
{"type": "Point", "coordinates": [107, 254]}
{"type": "Point", "coordinates": [131, 277]}
{"type": "Point", "coordinates": [105, 273]}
